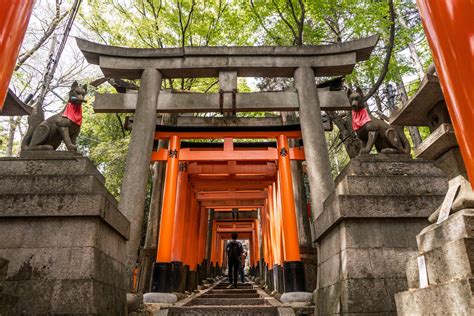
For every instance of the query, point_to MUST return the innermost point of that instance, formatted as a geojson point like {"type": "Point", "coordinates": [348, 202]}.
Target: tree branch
{"type": "Point", "coordinates": [388, 55]}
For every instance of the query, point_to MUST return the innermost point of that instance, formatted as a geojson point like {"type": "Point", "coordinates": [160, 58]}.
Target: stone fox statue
{"type": "Point", "coordinates": [64, 126]}
{"type": "Point", "coordinates": [373, 131]}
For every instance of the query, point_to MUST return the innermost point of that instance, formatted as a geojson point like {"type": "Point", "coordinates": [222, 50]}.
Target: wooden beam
{"type": "Point", "coordinates": [201, 102]}
{"type": "Point", "coordinates": [271, 154]}
{"type": "Point", "coordinates": [230, 185]}
{"type": "Point", "coordinates": [233, 203]}
{"type": "Point", "coordinates": [231, 196]}
{"type": "Point", "coordinates": [224, 177]}
{"type": "Point", "coordinates": [195, 168]}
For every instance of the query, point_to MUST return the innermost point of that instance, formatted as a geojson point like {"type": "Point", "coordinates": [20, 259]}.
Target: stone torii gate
{"type": "Point", "coordinates": [226, 63]}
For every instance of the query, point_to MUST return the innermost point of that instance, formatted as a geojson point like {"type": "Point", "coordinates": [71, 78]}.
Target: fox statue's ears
{"type": "Point", "coordinates": [75, 84]}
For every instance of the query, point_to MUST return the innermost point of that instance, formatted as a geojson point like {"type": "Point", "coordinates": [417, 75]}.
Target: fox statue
{"type": "Point", "coordinates": [64, 126]}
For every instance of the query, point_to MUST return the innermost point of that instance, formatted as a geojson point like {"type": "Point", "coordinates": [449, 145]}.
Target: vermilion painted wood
{"type": "Point", "coordinates": [215, 155]}
{"type": "Point", "coordinates": [290, 227]}
{"type": "Point", "coordinates": [183, 189]}
{"type": "Point", "coordinates": [449, 28]}
{"type": "Point", "coordinates": [169, 203]}
{"type": "Point", "coordinates": [263, 168]}
{"type": "Point", "coordinates": [231, 195]}
{"type": "Point", "coordinates": [14, 18]}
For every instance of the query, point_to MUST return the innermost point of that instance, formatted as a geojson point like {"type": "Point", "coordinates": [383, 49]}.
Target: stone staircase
{"type": "Point", "coordinates": [247, 299]}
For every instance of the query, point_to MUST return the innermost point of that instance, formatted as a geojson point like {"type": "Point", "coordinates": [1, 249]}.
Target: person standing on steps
{"type": "Point", "coordinates": [234, 252]}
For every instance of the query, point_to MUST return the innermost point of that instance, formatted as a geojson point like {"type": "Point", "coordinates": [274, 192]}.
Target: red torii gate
{"type": "Point", "coordinates": [183, 218]}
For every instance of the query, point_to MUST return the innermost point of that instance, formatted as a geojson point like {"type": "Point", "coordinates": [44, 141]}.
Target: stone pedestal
{"type": "Point", "coordinates": [63, 236]}
{"type": "Point", "coordinates": [448, 252]}
{"type": "Point", "coordinates": [366, 232]}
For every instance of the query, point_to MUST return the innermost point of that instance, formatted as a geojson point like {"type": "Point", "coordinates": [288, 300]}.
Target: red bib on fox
{"type": "Point", "coordinates": [74, 113]}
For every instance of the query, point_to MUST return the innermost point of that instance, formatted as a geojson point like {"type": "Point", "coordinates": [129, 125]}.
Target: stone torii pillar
{"type": "Point", "coordinates": [315, 147]}
{"type": "Point", "coordinates": [133, 190]}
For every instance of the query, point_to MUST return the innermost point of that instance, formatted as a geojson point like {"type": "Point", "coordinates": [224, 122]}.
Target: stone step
{"type": "Point", "coordinates": [226, 301]}
{"type": "Point", "coordinates": [225, 310]}
{"type": "Point", "coordinates": [377, 165]}
{"type": "Point", "coordinates": [392, 185]}
{"type": "Point", "coordinates": [451, 298]}
{"type": "Point", "coordinates": [232, 291]}
{"type": "Point", "coordinates": [222, 284]}
{"type": "Point", "coordinates": [238, 288]}
{"type": "Point", "coordinates": [458, 225]}
{"type": "Point", "coordinates": [452, 261]}
{"type": "Point", "coordinates": [231, 295]}
{"type": "Point", "coordinates": [64, 166]}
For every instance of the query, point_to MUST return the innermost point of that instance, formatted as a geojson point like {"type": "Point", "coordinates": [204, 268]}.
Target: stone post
{"type": "Point", "coordinates": [133, 191]}
{"type": "Point", "coordinates": [153, 225]}
{"type": "Point", "coordinates": [316, 151]}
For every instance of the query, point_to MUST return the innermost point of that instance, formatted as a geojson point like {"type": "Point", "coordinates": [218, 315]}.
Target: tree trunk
{"type": "Point", "coordinates": [412, 48]}
{"type": "Point", "coordinates": [13, 124]}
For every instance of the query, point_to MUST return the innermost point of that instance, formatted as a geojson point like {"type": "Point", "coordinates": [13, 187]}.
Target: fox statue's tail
{"type": "Point", "coordinates": [35, 118]}
{"type": "Point", "coordinates": [403, 139]}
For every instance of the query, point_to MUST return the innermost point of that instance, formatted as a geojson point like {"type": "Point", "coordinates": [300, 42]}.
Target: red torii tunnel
{"type": "Point", "coordinates": [221, 177]}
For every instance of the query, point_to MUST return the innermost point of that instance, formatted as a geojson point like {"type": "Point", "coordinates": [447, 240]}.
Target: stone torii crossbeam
{"type": "Point", "coordinates": [226, 63]}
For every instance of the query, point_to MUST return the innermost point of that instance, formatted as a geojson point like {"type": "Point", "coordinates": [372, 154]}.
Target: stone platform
{"type": "Point", "coordinates": [63, 236]}
{"type": "Point", "coordinates": [366, 232]}
{"type": "Point", "coordinates": [448, 252]}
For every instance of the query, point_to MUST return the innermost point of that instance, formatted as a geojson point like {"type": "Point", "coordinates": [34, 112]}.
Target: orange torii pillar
{"type": "Point", "coordinates": [263, 228]}
{"type": "Point", "coordinates": [178, 229]}
{"type": "Point", "coordinates": [201, 247]}
{"type": "Point", "coordinates": [14, 18]}
{"type": "Point", "coordinates": [294, 277]}
{"type": "Point", "coordinates": [162, 271]}
{"type": "Point", "coordinates": [268, 242]}
{"type": "Point", "coordinates": [449, 28]}
{"type": "Point", "coordinates": [190, 242]}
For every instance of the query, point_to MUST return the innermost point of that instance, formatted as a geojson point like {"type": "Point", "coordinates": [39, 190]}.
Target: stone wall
{"type": "Point", "coordinates": [366, 232]}
{"type": "Point", "coordinates": [63, 236]}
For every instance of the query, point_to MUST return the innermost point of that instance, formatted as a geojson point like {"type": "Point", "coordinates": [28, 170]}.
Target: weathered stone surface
{"type": "Point", "coordinates": [55, 165]}
{"type": "Point", "coordinates": [453, 298]}
{"type": "Point", "coordinates": [155, 297]}
{"type": "Point", "coordinates": [296, 297]}
{"type": "Point", "coordinates": [366, 232]}
{"type": "Point", "coordinates": [210, 102]}
{"type": "Point", "coordinates": [66, 247]}
{"type": "Point", "coordinates": [457, 226]}
{"type": "Point", "coordinates": [437, 143]}
{"type": "Point", "coordinates": [192, 62]}
{"type": "Point", "coordinates": [415, 111]}
{"type": "Point", "coordinates": [448, 251]}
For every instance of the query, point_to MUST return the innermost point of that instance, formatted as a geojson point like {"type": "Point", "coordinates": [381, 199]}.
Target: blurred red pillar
{"type": "Point", "coordinates": [14, 18]}
{"type": "Point", "coordinates": [449, 28]}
